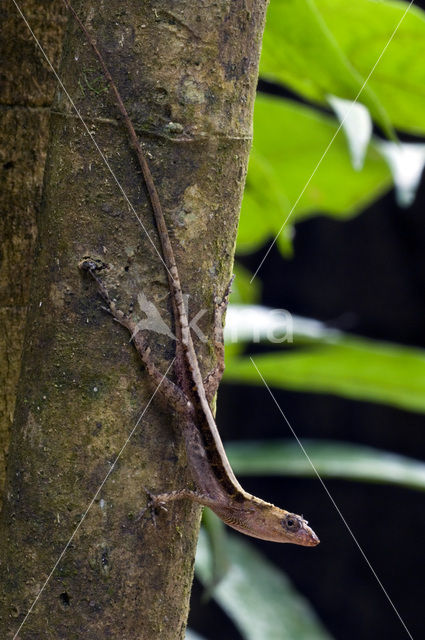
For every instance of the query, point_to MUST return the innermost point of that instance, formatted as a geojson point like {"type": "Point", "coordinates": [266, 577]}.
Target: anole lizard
{"type": "Point", "coordinates": [213, 477]}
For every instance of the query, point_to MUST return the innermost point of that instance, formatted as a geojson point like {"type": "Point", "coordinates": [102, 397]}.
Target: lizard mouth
{"type": "Point", "coordinates": [308, 537]}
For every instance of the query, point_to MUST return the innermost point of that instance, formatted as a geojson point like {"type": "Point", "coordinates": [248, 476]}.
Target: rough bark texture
{"type": "Point", "coordinates": [26, 92]}
{"type": "Point", "coordinates": [187, 73]}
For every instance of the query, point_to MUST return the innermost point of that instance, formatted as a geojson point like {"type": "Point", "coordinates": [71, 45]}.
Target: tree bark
{"type": "Point", "coordinates": [26, 92]}
{"type": "Point", "coordinates": [187, 73]}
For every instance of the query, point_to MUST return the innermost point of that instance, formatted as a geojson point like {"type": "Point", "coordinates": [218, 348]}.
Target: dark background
{"type": "Point", "coordinates": [366, 276]}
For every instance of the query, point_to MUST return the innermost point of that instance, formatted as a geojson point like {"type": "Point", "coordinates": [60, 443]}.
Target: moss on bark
{"type": "Point", "coordinates": [187, 73]}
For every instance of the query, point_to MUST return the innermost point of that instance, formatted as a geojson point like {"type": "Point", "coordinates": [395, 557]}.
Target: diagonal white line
{"type": "Point", "coordinates": [91, 502]}
{"type": "Point", "coordinates": [333, 501]}
{"type": "Point", "coordinates": [102, 155]}
{"type": "Point", "coordinates": [331, 141]}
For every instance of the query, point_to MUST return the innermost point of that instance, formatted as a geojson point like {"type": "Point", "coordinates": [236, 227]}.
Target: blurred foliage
{"type": "Point", "coordinates": [348, 366]}
{"type": "Point", "coordinates": [331, 46]}
{"type": "Point", "coordinates": [191, 635]}
{"type": "Point", "coordinates": [300, 166]}
{"type": "Point", "coordinates": [362, 29]}
{"type": "Point", "coordinates": [289, 140]}
{"type": "Point", "coordinates": [319, 49]}
{"type": "Point", "coordinates": [243, 291]}
{"type": "Point", "coordinates": [300, 50]}
{"type": "Point", "coordinates": [257, 597]}
{"type": "Point", "coordinates": [330, 459]}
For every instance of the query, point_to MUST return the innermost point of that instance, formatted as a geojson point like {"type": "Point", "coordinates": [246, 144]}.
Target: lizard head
{"type": "Point", "coordinates": [278, 525]}
{"type": "Point", "coordinates": [297, 531]}
{"type": "Point", "coordinates": [265, 521]}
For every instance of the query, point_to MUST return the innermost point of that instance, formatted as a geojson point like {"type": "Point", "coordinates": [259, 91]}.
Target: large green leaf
{"type": "Point", "coordinates": [258, 598]}
{"type": "Point", "coordinates": [362, 29]}
{"type": "Point", "coordinates": [330, 459]}
{"type": "Point", "coordinates": [327, 46]}
{"type": "Point", "coordinates": [289, 141]}
{"type": "Point", "coordinates": [300, 50]}
{"type": "Point", "coordinates": [351, 367]}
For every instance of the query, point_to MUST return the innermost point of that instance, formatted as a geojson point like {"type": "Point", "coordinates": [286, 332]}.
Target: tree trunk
{"type": "Point", "coordinates": [26, 92]}
{"type": "Point", "coordinates": [187, 73]}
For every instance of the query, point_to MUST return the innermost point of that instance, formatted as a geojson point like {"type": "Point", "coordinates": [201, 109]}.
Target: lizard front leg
{"type": "Point", "coordinates": [171, 392]}
{"type": "Point", "coordinates": [159, 500]}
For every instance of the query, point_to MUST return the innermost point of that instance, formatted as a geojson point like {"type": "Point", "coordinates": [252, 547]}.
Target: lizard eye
{"type": "Point", "coordinates": [291, 523]}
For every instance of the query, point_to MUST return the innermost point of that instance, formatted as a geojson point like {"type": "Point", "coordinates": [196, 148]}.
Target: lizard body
{"type": "Point", "coordinates": [215, 482]}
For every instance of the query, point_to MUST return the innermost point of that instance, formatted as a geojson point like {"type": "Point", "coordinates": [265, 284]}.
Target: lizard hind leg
{"type": "Point", "coordinates": [153, 503]}
{"type": "Point", "coordinates": [158, 501]}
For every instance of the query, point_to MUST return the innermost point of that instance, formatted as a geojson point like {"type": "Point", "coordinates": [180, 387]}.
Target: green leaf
{"type": "Point", "coordinates": [301, 51]}
{"type": "Point", "coordinates": [362, 29]}
{"type": "Point", "coordinates": [331, 460]}
{"type": "Point", "coordinates": [298, 50]}
{"type": "Point", "coordinates": [243, 292]}
{"type": "Point", "coordinates": [258, 598]}
{"type": "Point", "coordinates": [219, 558]}
{"type": "Point", "coordinates": [289, 141]}
{"type": "Point", "coordinates": [351, 367]}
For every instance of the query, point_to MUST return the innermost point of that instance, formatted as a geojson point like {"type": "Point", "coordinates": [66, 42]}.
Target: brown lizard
{"type": "Point", "coordinates": [212, 475]}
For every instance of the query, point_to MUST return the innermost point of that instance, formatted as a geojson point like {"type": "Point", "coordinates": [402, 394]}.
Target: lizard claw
{"type": "Point", "coordinates": [152, 504]}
